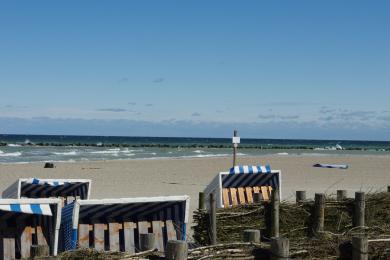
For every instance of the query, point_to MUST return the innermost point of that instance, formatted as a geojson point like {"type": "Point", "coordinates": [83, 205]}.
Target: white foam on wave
{"type": "Point", "coordinates": [14, 154]}
{"type": "Point", "coordinates": [13, 145]}
{"type": "Point", "coordinates": [105, 152]}
{"type": "Point", "coordinates": [65, 153]}
{"type": "Point", "coordinates": [282, 153]}
{"type": "Point", "coordinates": [198, 151]}
{"type": "Point", "coordinates": [204, 155]}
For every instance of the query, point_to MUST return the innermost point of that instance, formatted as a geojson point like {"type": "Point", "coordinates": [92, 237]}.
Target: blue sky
{"type": "Point", "coordinates": [275, 69]}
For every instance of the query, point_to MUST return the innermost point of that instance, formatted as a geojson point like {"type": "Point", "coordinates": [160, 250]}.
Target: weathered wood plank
{"type": "Point", "coordinates": [256, 189]}
{"type": "Point", "coordinates": [9, 248]}
{"type": "Point", "coordinates": [41, 237]}
{"type": "Point", "coordinates": [171, 231]}
{"type": "Point", "coordinates": [225, 197]}
{"type": "Point", "coordinates": [233, 194]}
{"type": "Point", "coordinates": [26, 242]}
{"type": "Point", "coordinates": [264, 192]}
{"type": "Point", "coordinates": [113, 231]}
{"type": "Point", "coordinates": [159, 238]}
{"type": "Point", "coordinates": [249, 197]}
{"type": "Point", "coordinates": [128, 231]}
{"type": "Point", "coordinates": [270, 190]}
{"type": "Point", "coordinates": [241, 195]}
{"type": "Point", "coordinates": [83, 235]}
{"type": "Point", "coordinates": [98, 236]}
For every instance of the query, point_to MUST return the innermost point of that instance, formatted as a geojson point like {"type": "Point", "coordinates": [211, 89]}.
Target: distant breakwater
{"type": "Point", "coordinates": [178, 146]}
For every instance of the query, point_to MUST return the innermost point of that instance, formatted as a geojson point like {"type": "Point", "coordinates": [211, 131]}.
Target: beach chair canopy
{"type": "Point", "coordinates": [33, 208]}
{"type": "Point", "coordinates": [45, 188]}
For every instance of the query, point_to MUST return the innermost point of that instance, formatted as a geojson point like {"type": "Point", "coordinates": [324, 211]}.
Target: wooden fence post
{"type": "Point", "coordinates": [300, 196]}
{"type": "Point", "coordinates": [147, 241]}
{"type": "Point", "coordinates": [275, 213]}
{"type": "Point", "coordinates": [213, 219]}
{"type": "Point", "coordinates": [257, 198]}
{"type": "Point", "coordinates": [39, 250]}
{"type": "Point", "coordinates": [360, 205]}
{"type": "Point", "coordinates": [341, 195]}
{"type": "Point", "coordinates": [319, 213]}
{"type": "Point", "coordinates": [280, 248]}
{"type": "Point", "coordinates": [201, 200]}
{"type": "Point", "coordinates": [252, 235]}
{"type": "Point", "coordinates": [176, 250]}
{"type": "Point", "coordinates": [359, 248]}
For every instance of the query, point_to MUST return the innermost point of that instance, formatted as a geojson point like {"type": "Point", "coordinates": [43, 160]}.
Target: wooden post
{"type": "Point", "coordinates": [280, 248]}
{"type": "Point", "coordinates": [300, 196]}
{"type": "Point", "coordinates": [341, 195]}
{"type": "Point", "coordinates": [319, 213]}
{"type": "Point", "coordinates": [176, 250]}
{"type": "Point", "coordinates": [147, 241]}
{"type": "Point", "coordinates": [275, 213]}
{"type": "Point", "coordinates": [388, 188]}
{"type": "Point", "coordinates": [201, 200]}
{"type": "Point", "coordinates": [234, 148]}
{"type": "Point", "coordinates": [359, 248]}
{"type": "Point", "coordinates": [39, 250]}
{"type": "Point", "coordinates": [252, 235]}
{"type": "Point", "coordinates": [360, 205]}
{"type": "Point", "coordinates": [257, 197]}
{"type": "Point", "coordinates": [213, 219]}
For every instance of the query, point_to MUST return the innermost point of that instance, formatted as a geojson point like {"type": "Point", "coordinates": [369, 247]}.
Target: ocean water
{"type": "Point", "coordinates": [43, 148]}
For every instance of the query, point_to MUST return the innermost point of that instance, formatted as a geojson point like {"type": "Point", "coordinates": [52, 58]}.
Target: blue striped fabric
{"type": "Point", "coordinates": [40, 209]}
{"type": "Point", "coordinates": [250, 169]}
{"type": "Point", "coordinates": [43, 182]}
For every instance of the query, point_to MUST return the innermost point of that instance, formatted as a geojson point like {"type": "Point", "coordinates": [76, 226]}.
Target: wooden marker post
{"type": "Point", "coordinates": [359, 248]}
{"type": "Point", "coordinates": [280, 248]}
{"type": "Point", "coordinates": [300, 196]}
{"type": "Point", "coordinates": [213, 219]}
{"type": "Point", "coordinates": [319, 213]}
{"type": "Point", "coordinates": [147, 241]}
{"type": "Point", "coordinates": [252, 235]}
{"type": "Point", "coordinates": [341, 195]}
{"type": "Point", "coordinates": [235, 141]}
{"type": "Point", "coordinates": [275, 213]}
{"type": "Point", "coordinates": [201, 200]}
{"type": "Point", "coordinates": [176, 250]}
{"type": "Point", "coordinates": [360, 205]}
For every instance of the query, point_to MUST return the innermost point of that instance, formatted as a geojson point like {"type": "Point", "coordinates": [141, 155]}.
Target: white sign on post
{"type": "Point", "coordinates": [236, 140]}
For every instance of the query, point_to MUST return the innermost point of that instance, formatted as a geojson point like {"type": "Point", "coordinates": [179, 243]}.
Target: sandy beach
{"type": "Point", "coordinates": [134, 178]}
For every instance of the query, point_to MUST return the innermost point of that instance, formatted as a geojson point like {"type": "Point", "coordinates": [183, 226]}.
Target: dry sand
{"type": "Point", "coordinates": [131, 178]}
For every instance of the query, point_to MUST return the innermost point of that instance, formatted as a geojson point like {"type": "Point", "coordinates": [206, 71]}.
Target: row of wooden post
{"type": "Point", "coordinates": [280, 246]}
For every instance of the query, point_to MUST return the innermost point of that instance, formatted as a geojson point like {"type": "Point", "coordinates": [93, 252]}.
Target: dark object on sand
{"type": "Point", "coordinates": [49, 165]}
{"type": "Point", "coordinates": [334, 166]}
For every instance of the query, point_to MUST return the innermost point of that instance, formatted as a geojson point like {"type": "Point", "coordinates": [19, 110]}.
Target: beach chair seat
{"type": "Point", "coordinates": [244, 195]}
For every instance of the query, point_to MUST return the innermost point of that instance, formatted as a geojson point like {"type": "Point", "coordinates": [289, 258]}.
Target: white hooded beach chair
{"type": "Point", "coordinates": [241, 183]}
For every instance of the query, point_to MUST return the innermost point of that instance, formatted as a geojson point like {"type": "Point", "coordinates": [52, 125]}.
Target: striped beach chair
{"type": "Point", "coordinates": [116, 224]}
{"type": "Point", "coordinates": [27, 222]}
{"type": "Point", "coordinates": [242, 183]}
